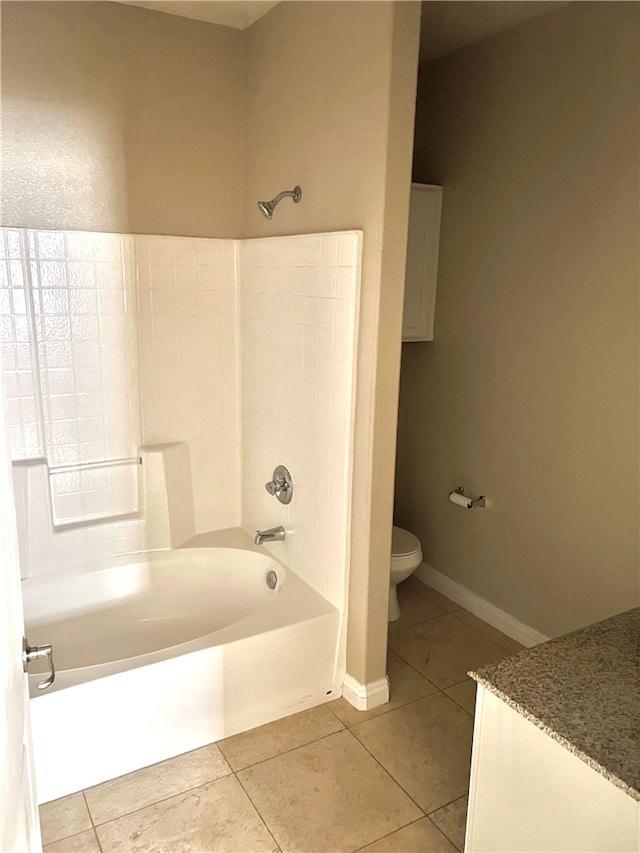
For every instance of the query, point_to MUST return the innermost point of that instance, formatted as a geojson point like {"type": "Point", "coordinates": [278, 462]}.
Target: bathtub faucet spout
{"type": "Point", "coordinates": [274, 534]}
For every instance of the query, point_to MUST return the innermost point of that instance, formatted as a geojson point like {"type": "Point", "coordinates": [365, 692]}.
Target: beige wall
{"type": "Point", "coordinates": [120, 119]}
{"type": "Point", "coordinates": [530, 391]}
{"type": "Point", "coordinates": [330, 93]}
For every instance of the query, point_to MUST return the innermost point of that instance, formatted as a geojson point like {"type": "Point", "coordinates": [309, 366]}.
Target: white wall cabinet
{"type": "Point", "coordinates": [423, 244]}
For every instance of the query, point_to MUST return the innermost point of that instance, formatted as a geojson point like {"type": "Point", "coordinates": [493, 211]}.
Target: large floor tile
{"type": "Point", "coordinates": [415, 606]}
{"type": "Point", "coordinates": [452, 820]}
{"type": "Point", "coordinates": [406, 685]}
{"type": "Point", "coordinates": [84, 842]}
{"type": "Point", "coordinates": [256, 745]}
{"type": "Point", "coordinates": [215, 817]}
{"type": "Point", "coordinates": [425, 746]}
{"type": "Point", "coordinates": [158, 782]}
{"type": "Point", "coordinates": [464, 694]}
{"type": "Point", "coordinates": [328, 795]}
{"type": "Point", "coordinates": [489, 631]}
{"type": "Point", "coordinates": [420, 836]}
{"type": "Point", "coordinates": [64, 817]}
{"type": "Point", "coordinates": [444, 649]}
{"type": "Point", "coordinates": [420, 588]}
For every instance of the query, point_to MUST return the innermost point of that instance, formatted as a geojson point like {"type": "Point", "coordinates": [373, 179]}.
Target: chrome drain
{"type": "Point", "coordinates": [272, 579]}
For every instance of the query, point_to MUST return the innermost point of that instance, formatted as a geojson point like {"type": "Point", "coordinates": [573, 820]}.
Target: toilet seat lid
{"type": "Point", "coordinates": [403, 543]}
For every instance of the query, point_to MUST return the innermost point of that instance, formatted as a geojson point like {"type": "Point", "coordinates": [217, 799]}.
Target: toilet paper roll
{"type": "Point", "coordinates": [460, 500]}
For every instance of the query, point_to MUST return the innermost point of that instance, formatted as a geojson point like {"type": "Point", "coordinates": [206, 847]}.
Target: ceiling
{"type": "Point", "coordinates": [229, 13]}
{"type": "Point", "coordinates": [448, 25]}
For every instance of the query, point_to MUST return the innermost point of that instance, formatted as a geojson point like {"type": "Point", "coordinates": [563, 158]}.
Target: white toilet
{"type": "Point", "coordinates": [406, 556]}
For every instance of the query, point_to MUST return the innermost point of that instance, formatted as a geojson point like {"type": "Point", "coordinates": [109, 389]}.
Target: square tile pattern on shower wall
{"type": "Point", "coordinates": [327, 779]}
{"type": "Point", "coordinates": [266, 331]}
{"type": "Point", "coordinates": [188, 338]}
{"type": "Point", "coordinates": [71, 378]}
{"type": "Point", "coordinates": [298, 320]}
{"type": "Point", "coordinates": [242, 350]}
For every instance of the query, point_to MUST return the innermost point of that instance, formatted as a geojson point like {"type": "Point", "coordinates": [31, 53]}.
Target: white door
{"type": "Point", "coordinates": [19, 824]}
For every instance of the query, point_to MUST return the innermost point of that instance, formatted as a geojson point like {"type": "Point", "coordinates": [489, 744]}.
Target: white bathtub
{"type": "Point", "coordinates": [167, 652]}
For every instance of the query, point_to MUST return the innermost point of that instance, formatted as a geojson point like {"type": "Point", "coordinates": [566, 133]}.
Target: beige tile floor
{"type": "Point", "coordinates": [327, 779]}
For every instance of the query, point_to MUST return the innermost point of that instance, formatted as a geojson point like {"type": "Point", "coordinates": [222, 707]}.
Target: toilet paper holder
{"type": "Point", "coordinates": [480, 501]}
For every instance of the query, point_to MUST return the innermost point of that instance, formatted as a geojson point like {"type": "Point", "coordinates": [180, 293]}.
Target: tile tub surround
{"type": "Point", "coordinates": [582, 690]}
{"type": "Point", "coordinates": [188, 336]}
{"type": "Point", "coordinates": [69, 347]}
{"type": "Point", "coordinates": [166, 521]}
{"type": "Point", "coordinates": [243, 351]}
{"type": "Point", "coordinates": [69, 358]}
{"type": "Point", "coordinates": [298, 331]}
{"type": "Point", "coordinates": [269, 328]}
{"type": "Point", "coordinates": [299, 763]}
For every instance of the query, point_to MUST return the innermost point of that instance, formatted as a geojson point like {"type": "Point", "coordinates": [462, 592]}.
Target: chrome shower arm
{"type": "Point", "coordinates": [266, 208]}
{"type": "Point", "coordinates": [295, 194]}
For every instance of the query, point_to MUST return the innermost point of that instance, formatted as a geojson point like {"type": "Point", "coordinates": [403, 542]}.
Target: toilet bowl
{"type": "Point", "coordinates": [406, 556]}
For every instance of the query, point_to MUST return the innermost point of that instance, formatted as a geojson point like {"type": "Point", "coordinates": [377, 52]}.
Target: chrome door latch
{"type": "Point", "coordinates": [31, 653]}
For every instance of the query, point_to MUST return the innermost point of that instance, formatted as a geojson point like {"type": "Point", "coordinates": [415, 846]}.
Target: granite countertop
{"type": "Point", "coordinates": [583, 690]}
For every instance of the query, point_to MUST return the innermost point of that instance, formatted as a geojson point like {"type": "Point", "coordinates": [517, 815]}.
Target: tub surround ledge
{"type": "Point", "coordinates": [582, 691]}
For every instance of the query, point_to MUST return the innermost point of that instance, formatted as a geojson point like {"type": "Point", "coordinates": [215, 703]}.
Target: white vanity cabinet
{"type": "Point", "coordinates": [421, 277]}
{"type": "Point", "coordinates": [555, 765]}
{"type": "Point", "coordinates": [530, 793]}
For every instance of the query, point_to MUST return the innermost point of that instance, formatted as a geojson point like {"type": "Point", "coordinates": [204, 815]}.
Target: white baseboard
{"type": "Point", "coordinates": [481, 608]}
{"type": "Point", "coordinates": [365, 696]}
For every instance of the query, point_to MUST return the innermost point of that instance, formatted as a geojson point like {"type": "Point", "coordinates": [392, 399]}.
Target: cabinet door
{"type": "Point", "coordinates": [423, 243]}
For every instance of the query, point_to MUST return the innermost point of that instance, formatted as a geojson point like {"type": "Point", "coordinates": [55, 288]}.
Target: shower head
{"type": "Point", "coordinates": [266, 208]}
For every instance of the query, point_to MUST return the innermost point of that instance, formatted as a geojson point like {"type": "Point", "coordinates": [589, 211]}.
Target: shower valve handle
{"type": "Point", "coordinates": [281, 486]}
